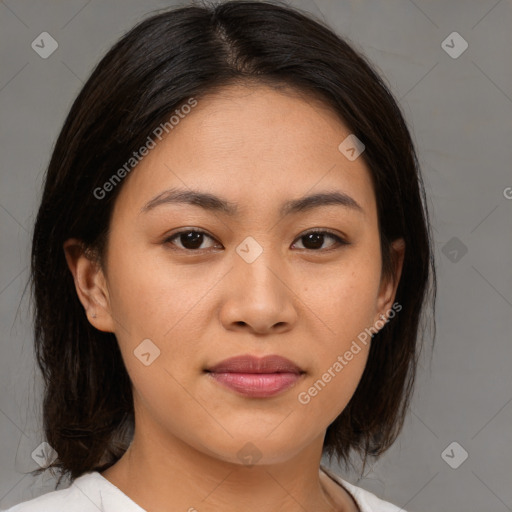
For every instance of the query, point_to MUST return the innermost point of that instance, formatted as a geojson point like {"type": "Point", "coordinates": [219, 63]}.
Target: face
{"type": "Point", "coordinates": [187, 286]}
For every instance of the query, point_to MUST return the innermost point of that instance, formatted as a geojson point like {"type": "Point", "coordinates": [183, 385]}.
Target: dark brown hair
{"type": "Point", "coordinates": [156, 67]}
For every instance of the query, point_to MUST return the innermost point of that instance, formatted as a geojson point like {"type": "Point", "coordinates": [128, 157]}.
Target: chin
{"type": "Point", "coordinates": [247, 448]}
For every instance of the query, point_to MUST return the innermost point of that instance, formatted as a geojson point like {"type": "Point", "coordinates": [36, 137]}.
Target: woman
{"type": "Point", "coordinates": [230, 263]}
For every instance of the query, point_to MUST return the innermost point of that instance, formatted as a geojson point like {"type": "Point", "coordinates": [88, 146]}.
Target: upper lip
{"type": "Point", "coordinates": [252, 364]}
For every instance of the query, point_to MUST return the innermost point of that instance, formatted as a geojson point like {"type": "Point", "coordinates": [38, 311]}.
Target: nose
{"type": "Point", "coordinates": [258, 296]}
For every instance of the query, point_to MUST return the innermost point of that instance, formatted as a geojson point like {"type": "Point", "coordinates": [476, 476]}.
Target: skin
{"type": "Point", "coordinates": [256, 147]}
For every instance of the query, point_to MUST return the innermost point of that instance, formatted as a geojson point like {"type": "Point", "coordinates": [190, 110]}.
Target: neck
{"type": "Point", "coordinates": [161, 470]}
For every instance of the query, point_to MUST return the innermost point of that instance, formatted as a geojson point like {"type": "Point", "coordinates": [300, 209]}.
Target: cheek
{"type": "Point", "coordinates": [345, 305]}
{"type": "Point", "coordinates": [167, 305]}
{"type": "Point", "coordinates": [344, 299]}
{"type": "Point", "coordinates": [340, 354]}
{"type": "Point", "coordinates": [327, 392]}
{"type": "Point", "coordinates": [150, 299]}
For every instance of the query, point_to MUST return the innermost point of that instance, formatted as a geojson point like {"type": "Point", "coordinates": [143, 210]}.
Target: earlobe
{"type": "Point", "coordinates": [389, 286]}
{"type": "Point", "coordinates": [90, 284]}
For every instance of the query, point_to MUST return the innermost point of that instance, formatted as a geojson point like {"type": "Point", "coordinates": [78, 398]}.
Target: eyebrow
{"type": "Point", "coordinates": [212, 202]}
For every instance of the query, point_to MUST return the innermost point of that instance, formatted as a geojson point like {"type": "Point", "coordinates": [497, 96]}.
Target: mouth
{"type": "Point", "coordinates": [256, 377]}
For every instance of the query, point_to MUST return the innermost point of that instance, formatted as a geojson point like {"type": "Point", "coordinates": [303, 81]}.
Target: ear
{"type": "Point", "coordinates": [389, 284]}
{"type": "Point", "coordinates": [90, 284]}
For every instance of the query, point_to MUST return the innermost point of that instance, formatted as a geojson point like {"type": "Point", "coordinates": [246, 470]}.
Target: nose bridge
{"type": "Point", "coordinates": [257, 293]}
{"type": "Point", "coordinates": [259, 268]}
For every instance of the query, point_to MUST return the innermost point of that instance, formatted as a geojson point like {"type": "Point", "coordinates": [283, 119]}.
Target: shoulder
{"type": "Point", "coordinates": [83, 495]}
{"type": "Point", "coordinates": [367, 501]}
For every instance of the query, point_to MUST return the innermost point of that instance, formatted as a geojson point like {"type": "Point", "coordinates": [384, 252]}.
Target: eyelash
{"type": "Point", "coordinates": [339, 240]}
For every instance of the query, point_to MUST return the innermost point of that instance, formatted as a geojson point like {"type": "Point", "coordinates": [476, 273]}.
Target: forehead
{"type": "Point", "coordinates": [255, 146]}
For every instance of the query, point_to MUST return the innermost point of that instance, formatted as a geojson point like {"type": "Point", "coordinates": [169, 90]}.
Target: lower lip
{"type": "Point", "coordinates": [257, 385]}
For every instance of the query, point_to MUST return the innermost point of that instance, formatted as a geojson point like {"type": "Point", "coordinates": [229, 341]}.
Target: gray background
{"type": "Point", "coordinates": [459, 111]}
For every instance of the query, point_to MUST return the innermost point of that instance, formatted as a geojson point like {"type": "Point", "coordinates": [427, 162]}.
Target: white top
{"type": "Point", "coordinates": [92, 492]}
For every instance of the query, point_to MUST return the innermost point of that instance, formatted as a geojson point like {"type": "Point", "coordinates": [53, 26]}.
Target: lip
{"type": "Point", "coordinates": [256, 377]}
{"type": "Point", "coordinates": [253, 364]}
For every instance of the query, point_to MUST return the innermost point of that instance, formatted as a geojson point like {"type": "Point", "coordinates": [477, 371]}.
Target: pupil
{"type": "Point", "coordinates": [193, 240]}
{"type": "Point", "coordinates": [316, 238]}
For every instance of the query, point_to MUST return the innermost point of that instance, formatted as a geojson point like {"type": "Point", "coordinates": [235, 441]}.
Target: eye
{"type": "Point", "coordinates": [190, 239]}
{"type": "Point", "coordinates": [193, 239]}
{"type": "Point", "coordinates": [315, 239]}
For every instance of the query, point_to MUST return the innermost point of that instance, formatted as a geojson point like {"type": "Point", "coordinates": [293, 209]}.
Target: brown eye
{"type": "Point", "coordinates": [314, 240]}
{"type": "Point", "coordinates": [193, 240]}
{"type": "Point", "coordinates": [190, 239]}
